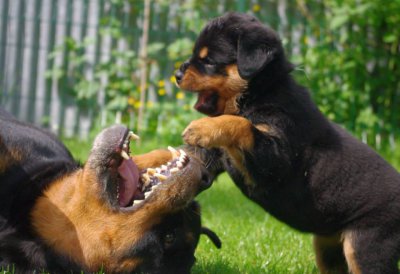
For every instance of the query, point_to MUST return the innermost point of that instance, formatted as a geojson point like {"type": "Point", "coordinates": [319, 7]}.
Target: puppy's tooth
{"type": "Point", "coordinates": [124, 155]}
{"type": "Point", "coordinates": [161, 177]}
{"type": "Point", "coordinates": [173, 151]}
{"type": "Point", "coordinates": [174, 170]}
{"type": "Point", "coordinates": [133, 136]}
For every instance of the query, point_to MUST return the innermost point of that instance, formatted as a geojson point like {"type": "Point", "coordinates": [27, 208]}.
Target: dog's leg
{"type": "Point", "coordinates": [329, 254]}
{"type": "Point", "coordinates": [371, 252]}
{"type": "Point", "coordinates": [221, 131]}
{"type": "Point", "coordinates": [153, 158]}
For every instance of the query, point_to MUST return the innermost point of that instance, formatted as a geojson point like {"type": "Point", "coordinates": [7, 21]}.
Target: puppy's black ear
{"type": "Point", "coordinates": [257, 46]}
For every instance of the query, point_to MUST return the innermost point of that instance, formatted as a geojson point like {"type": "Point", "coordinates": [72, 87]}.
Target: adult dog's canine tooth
{"type": "Point", "coordinates": [146, 178]}
{"type": "Point", "coordinates": [161, 177]}
{"type": "Point", "coordinates": [182, 152]}
{"type": "Point", "coordinates": [124, 155]}
{"type": "Point", "coordinates": [133, 136]}
{"type": "Point", "coordinates": [173, 151]}
{"type": "Point", "coordinates": [174, 170]}
{"type": "Point", "coordinates": [179, 164]}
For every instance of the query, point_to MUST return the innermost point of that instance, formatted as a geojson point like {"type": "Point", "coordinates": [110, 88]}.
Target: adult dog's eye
{"type": "Point", "coordinates": [208, 61]}
{"type": "Point", "coordinates": [169, 239]}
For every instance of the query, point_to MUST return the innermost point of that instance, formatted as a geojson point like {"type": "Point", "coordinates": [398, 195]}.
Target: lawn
{"type": "Point", "coordinates": [252, 240]}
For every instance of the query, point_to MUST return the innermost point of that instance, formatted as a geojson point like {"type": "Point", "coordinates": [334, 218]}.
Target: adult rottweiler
{"type": "Point", "coordinates": [284, 154]}
{"type": "Point", "coordinates": [115, 213]}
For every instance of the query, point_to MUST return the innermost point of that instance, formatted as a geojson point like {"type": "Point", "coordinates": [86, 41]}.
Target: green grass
{"type": "Point", "coordinates": [252, 240]}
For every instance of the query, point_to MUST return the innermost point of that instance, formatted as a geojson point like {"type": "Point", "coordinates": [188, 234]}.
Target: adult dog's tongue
{"type": "Point", "coordinates": [128, 186]}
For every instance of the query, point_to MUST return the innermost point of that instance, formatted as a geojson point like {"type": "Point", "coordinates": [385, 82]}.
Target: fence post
{"type": "Point", "coordinates": [143, 61]}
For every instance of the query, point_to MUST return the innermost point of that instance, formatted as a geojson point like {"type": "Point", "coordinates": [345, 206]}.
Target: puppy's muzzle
{"type": "Point", "coordinates": [181, 72]}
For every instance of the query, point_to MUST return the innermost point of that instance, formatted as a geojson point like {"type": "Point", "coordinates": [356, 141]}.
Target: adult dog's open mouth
{"type": "Point", "coordinates": [128, 186]}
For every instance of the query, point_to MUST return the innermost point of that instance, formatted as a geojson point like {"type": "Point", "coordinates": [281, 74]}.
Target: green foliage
{"type": "Point", "coordinates": [353, 65]}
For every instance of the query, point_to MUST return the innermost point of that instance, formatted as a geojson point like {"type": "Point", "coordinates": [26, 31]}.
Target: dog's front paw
{"type": "Point", "coordinates": [201, 132]}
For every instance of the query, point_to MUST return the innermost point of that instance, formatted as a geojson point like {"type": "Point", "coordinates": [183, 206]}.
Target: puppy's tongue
{"type": "Point", "coordinates": [128, 186]}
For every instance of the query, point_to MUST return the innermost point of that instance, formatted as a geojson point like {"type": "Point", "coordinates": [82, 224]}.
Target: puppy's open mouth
{"type": "Point", "coordinates": [136, 185]}
{"type": "Point", "coordinates": [207, 103]}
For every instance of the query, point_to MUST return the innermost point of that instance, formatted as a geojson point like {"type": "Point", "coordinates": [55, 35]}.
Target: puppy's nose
{"type": "Point", "coordinates": [178, 76]}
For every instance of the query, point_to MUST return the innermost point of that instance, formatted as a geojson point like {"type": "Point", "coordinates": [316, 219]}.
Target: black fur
{"type": "Point", "coordinates": [35, 159]}
{"type": "Point", "coordinates": [306, 171]}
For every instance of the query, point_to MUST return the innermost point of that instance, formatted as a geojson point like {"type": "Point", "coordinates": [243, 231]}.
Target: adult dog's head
{"type": "Point", "coordinates": [229, 54]}
{"type": "Point", "coordinates": [118, 213]}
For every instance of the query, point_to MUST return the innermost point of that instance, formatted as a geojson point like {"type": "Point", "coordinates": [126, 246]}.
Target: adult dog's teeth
{"type": "Point", "coordinates": [173, 151]}
{"type": "Point", "coordinates": [158, 170]}
{"type": "Point", "coordinates": [161, 177]}
{"type": "Point", "coordinates": [164, 167]}
{"type": "Point", "coordinates": [133, 136]}
{"type": "Point", "coordinates": [182, 152]}
{"type": "Point", "coordinates": [179, 164]}
{"type": "Point", "coordinates": [174, 170]}
{"type": "Point", "coordinates": [136, 202]}
{"type": "Point", "coordinates": [147, 194]}
{"type": "Point", "coordinates": [146, 178]}
{"type": "Point", "coordinates": [124, 155]}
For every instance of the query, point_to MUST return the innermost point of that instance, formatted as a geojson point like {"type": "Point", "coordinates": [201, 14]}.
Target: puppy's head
{"type": "Point", "coordinates": [229, 53]}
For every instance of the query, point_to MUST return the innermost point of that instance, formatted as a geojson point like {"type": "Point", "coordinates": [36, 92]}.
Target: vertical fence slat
{"type": "Point", "coordinates": [19, 57]}
{"type": "Point", "coordinates": [50, 61]}
{"type": "Point", "coordinates": [34, 61]}
{"type": "Point", "coordinates": [84, 26]}
{"type": "Point", "coordinates": [63, 83]}
{"type": "Point", "coordinates": [3, 47]}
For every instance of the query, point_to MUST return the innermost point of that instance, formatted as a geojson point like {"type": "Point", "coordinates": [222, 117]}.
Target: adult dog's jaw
{"type": "Point", "coordinates": [121, 198]}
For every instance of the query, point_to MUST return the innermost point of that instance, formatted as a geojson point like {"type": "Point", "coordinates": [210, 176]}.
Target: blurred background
{"type": "Point", "coordinates": [75, 66]}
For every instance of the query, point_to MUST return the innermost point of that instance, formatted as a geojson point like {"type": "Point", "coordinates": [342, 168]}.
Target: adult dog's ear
{"type": "Point", "coordinates": [257, 46]}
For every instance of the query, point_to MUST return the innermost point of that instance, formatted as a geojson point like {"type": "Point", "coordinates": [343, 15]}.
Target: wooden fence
{"type": "Point", "coordinates": [30, 30]}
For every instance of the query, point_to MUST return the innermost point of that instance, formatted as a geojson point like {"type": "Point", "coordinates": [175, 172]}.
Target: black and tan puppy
{"type": "Point", "coordinates": [284, 154]}
{"type": "Point", "coordinates": [114, 214]}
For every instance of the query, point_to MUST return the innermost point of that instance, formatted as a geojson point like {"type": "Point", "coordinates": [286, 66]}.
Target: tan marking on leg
{"type": "Point", "coordinates": [333, 245]}
{"type": "Point", "coordinates": [349, 253]}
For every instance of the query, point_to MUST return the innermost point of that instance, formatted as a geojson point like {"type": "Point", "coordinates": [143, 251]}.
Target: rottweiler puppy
{"type": "Point", "coordinates": [284, 154]}
{"type": "Point", "coordinates": [117, 213]}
